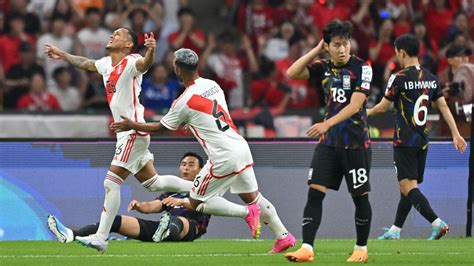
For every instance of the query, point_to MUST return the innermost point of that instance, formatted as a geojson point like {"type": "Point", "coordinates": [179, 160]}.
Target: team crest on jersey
{"type": "Point", "coordinates": [346, 82]}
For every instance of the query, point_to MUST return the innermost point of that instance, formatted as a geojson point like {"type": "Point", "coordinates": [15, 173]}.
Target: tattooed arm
{"type": "Point", "coordinates": [77, 61]}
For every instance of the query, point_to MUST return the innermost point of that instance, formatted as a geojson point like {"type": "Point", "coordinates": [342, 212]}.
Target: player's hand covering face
{"type": "Point", "coordinates": [120, 126]}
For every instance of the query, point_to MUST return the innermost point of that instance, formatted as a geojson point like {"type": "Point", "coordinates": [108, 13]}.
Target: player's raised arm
{"type": "Point", "coordinates": [298, 69]}
{"type": "Point", "coordinates": [127, 124]}
{"type": "Point", "coordinates": [458, 140]}
{"type": "Point", "coordinates": [77, 61]}
{"type": "Point", "coordinates": [143, 64]}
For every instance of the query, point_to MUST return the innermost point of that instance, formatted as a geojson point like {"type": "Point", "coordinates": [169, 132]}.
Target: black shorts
{"type": "Point", "coordinates": [148, 229]}
{"type": "Point", "coordinates": [410, 163]}
{"type": "Point", "coordinates": [330, 164]}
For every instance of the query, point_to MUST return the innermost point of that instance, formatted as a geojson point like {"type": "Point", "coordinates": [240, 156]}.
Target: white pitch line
{"type": "Point", "coordinates": [212, 255]}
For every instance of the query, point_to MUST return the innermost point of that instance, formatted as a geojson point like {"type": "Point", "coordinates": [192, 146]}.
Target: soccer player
{"type": "Point", "coordinates": [122, 73]}
{"type": "Point", "coordinates": [343, 149]}
{"type": "Point", "coordinates": [176, 224]}
{"type": "Point", "coordinates": [202, 107]}
{"type": "Point", "coordinates": [412, 90]}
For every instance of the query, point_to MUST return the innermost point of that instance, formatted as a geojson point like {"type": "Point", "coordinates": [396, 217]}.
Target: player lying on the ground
{"type": "Point", "coordinates": [203, 108]}
{"type": "Point", "coordinates": [122, 72]}
{"type": "Point", "coordinates": [412, 90]}
{"type": "Point", "coordinates": [176, 224]}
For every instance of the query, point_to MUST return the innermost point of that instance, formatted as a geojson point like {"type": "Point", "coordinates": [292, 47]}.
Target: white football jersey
{"type": "Point", "coordinates": [203, 108]}
{"type": "Point", "coordinates": [122, 85]}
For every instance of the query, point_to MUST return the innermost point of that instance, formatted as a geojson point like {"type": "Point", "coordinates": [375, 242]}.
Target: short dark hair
{"type": "Point", "coordinates": [92, 10]}
{"type": "Point", "coordinates": [186, 11]}
{"type": "Point", "coordinates": [188, 67]}
{"type": "Point", "coordinates": [409, 43]}
{"type": "Point", "coordinates": [226, 37]}
{"type": "Point", "coordinates": [134, 38]}
{"type": "Point", "coordinates": [337, 28]}
{"type": "Point", "coordinates": [58, 71]}
{"type": "Point", "coordinates": [195, 155]}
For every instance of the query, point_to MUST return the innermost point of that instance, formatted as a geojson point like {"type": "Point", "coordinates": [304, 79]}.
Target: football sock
{"type": "Point", "coordinates": [112, 184]}
{"type": "Point", "coordinates": [436, 223]}
{"type": "Point", "coordinates": [169, 183]}
{"type": "Point", "coordinates": [222, 207]}
{"type": "Point", "coordinates": [363, 216]}
{"type": "Point", "coordinates": [270, 217]}
{"type": "Point", "coordinates": [92, 228]}
{"type": "Point", "coordinates": [360, 247]}
{"type": "Point", "coordinates": [175, 227]}
{"type": "Point", "coordinates": [421, 204]}
{"type": "Point", "coordinates": [394, 229]}
{"type": "Point", "coordinates": [404, 207]}
{"type": "Point", "coordinates": [313, 212]}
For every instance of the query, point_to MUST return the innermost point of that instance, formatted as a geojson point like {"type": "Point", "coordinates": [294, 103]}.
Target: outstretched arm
{"type": "Point", "coordinates": [458, 140]}
{"type": "Point", "coordinates": [127, 124]}
{"type": "Point", "coordinates": [381, 107]}
{"type": "Point", "coordinates": [144, 63]}
{"type": "Point", "coordinates": [77, 61]}
{"type": "Point", "coordinates": [154, 206]}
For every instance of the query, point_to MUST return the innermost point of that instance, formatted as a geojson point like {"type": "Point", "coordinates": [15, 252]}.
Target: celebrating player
{"type": "Point", "coordinates": [202, 107]}
{"type": "Point", "coordinates": [343, 149]}
{"type": "Point", "coordinates": [412, 90]}
{"type": "Point", "coordinates": [177, 224]}
{"type": "Point", "coordinates": [122, 72]}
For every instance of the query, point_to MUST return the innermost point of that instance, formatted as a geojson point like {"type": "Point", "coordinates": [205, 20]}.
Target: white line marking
{"type": "Point", "coordinates": [218, 255]}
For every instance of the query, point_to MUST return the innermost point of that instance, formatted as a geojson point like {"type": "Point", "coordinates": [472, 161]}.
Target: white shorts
{"type": "Point", "coordinates": [207, 186]}
{"type": "Point", "coordinates": [131, 152]}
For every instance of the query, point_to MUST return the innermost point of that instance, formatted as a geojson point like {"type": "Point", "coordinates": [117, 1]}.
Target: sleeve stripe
{"type": "Point", "coordinates": [164, 123]}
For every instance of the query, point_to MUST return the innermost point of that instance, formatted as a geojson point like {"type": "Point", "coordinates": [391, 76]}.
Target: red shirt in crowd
{"type": "Point", "coordinates": [9, 51]}
{"type": "Point", "coordinates": [187, 41]}
{"type": "Point", "coordinates": [401, 28]}
{"type": "Point", "coordinates": [323, 14]}
{"type": "Point", "coordinates": [265, 91]}
{"type": "Point", "coordinates": [437, 22]}
{"type": "Point", "coordinates": [386, 52]}
{"type": "Point", "coordinates": [44, 102]}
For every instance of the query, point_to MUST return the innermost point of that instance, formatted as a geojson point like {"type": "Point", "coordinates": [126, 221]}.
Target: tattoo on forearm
{"type": "Point", "coordinates": [80, 62]}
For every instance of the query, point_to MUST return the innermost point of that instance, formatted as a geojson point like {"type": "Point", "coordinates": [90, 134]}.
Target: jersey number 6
{"type": "Point", "coordinates": [218, 113]}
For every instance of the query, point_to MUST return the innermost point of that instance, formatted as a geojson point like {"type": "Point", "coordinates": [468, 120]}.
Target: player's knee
{"type": "Point", "coordinates": [361, 201]}
{"type": "Point", "coordinates": [175, 227]}
{"type": "Point", "coordinates": [112, 181]}
{"type": "Point", "coordinates": [315, 195]}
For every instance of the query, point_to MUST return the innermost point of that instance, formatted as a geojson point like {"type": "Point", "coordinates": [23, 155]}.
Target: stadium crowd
{"type": "Point", "coordinates": [248, 56]}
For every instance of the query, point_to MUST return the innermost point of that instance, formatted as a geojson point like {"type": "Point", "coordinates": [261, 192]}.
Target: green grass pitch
{"type": "Point", "coordinates": [448, 251]}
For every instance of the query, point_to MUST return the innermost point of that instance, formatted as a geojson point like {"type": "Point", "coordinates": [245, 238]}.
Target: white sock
{"type": "Point", "coordinates": [394, 229]}
{"type": "Point", "coordinates": [307, 246]}
{"type": "Point", "coordinates": [436, 223]}
{"type": "Point", "coordinates": [360, 247]}
{"type": "Point", "coordinates": [270, 217]}
{"type": "Point", "coordinates": [69, 235]}
{"type": "Point", "coordinates": [222, 207]}
{"type": "Point", "coordinates": [112, 184]}
{"type": "Point", "coordinates": [169, 183]}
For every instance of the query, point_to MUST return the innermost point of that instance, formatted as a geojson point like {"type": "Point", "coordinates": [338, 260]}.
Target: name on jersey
{"type": "Point", "coordinates": [210, 92]}
{"type": "Point", "coordinates": [420, 85]}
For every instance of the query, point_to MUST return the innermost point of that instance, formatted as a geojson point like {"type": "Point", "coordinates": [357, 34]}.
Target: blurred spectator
{"type": "Point", "coordinates": [267, 91]}
{"type": "Point", "coordinates": [81, 6]}
{"type": "Point", "coordinates": [95, 98]}
{"type": "Point", "coordinates": [438, 17]}
{"type": "Point", "coordinates": [64, 9]}
{"type": "Point", "coordinates": [301, 95]}
{"type": "Point", "coordinates": [402, 22]}
{"type": "Point", "coordinates": [18, 77]}
{"type": "Point", "coordinates": [381, 52]}
{"type": "Point", "coordinates": [228, 65]}
{"type": "Point", "coordinates": [67, 95]}
{"type": "Point", "coordinates": [428, 47]}
{"type": "Point", "coordinates": [93, 37]}
{"type": "Point", "coordinates": [42, 8]}
{"type": "Point", "coordinates": [325, 11]}
{"type": "Point", "coordinates": [38, 99]}
{"type": "Point", "coordinates": [187, 36]}
{"type": "Point", "coordinates": [288, 11]}
{"type": "Point", "coordinates": [277, 47]}
{"type": "Point", "coordinates": [10, 42]}
{"type": "Point", "coordinates": [32, 22]}
{"type": "Point", "coordinates": [158, 91]}
{"type": "Point", "coordinates": [460, 25]}
{"type": "Point", "coordinates": [140, 16]}
{"type": "Point", "coordinates": [57, 38]}
{"type": "Point", "coordinates": [256, 20]}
